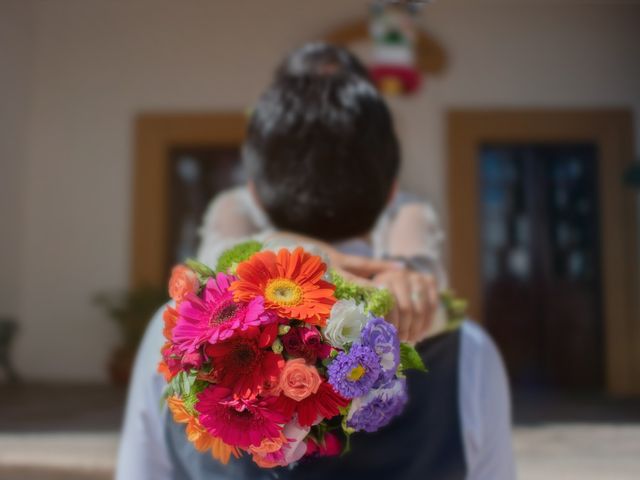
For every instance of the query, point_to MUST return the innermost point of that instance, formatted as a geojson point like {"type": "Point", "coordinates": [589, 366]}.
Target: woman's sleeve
{"type": "Point", "coordinates": [228, 220]}
{"type": "Point", "coordinates": [411, 229]}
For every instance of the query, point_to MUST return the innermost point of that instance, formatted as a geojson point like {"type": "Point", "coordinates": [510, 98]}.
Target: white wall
{"type": "Point", "coordinates": [97, 63]}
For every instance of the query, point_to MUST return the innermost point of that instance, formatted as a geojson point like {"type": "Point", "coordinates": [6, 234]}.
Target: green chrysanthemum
{"type": "Point", "coordinates": [230, 259]}
{"type": "Point", "coordinates": [377, 301]}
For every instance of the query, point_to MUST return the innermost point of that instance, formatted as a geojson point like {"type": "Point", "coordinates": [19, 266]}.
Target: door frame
{"type": "Point", "coordinates": [612, 131]}
{"type": "Point", "coordinates": [155, 135]}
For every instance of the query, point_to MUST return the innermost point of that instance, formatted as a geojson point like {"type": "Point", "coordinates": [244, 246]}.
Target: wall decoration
{"type": "Point", "coordinates": [393, 63]}
{"type": "Point", "coordinates": [402, 53]}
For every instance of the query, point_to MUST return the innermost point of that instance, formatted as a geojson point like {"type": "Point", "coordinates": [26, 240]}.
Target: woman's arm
{"type": "Point", "coordinates": [232, 217]}
{"type": "Point", "coordinates": [409, 232]}
{"type": "Point", "coordinates": [414, 233]}
{"type": "Point", "coordinates": [227, 221]}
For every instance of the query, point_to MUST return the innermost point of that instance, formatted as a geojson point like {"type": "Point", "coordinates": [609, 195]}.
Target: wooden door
{"type": "Point", "coordinates": [568, 313]}
{"type": "Point", "coordinates": [181, 161]}
{"type": "Point", "coordinates": [540, 249]}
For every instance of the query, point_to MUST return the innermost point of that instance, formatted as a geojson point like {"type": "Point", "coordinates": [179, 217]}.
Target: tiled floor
{"type": "Point", "coordinates": [569, 451]}
{"type": "Point", "coordinates": [55, 407]}
{"type": "Point", "coordinates": [70, 433]}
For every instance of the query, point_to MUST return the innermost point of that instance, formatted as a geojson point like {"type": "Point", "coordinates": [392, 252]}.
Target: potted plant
{"type": "Point", "coordinates": [131, 310]}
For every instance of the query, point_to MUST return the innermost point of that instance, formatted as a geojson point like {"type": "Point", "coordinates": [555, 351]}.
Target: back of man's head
{"type": "Point", "coordinates": [321, 147]}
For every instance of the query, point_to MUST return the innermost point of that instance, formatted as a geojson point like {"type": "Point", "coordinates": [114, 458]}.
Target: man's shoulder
{"type": "Point", "coordinates": [479, 356]}
{"type": "Point", "coordinates": [475, 338]}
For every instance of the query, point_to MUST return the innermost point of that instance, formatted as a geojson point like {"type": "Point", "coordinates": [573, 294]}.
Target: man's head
{"type": "Point", "coordinates": [321, 149]}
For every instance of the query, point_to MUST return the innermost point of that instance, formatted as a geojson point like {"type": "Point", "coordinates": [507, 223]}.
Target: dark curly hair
{"type": "Point", "coordinates": [321, 146]}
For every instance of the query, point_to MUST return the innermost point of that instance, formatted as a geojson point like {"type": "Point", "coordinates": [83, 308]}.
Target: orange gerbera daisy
{"type": "Point", "coordinates": [291, 284]}
{"type": "Point", "coordinates": [197, 435]}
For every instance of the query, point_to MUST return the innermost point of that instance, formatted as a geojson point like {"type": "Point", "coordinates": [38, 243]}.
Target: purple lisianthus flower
{"type": "Point", "coordinates": [382, 338]}
{"type": "Point", "coordinates": [378, 407]}
{"type": "Point", "coordinates": [353, 374]}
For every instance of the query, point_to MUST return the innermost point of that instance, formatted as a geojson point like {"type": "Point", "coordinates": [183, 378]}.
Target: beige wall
{"type": "Point", "coordinates": [15, 64]}
{"type": "Point", "coordinates": [97, 63]}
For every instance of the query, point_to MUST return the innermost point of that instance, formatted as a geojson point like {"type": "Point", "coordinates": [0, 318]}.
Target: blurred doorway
{"type": "Point", "coordinates": [181, 162]}
{"type": "Point", "coordinates": [542, 235]}
{"type": "Point", "coordinates": [196, 175]}
{"type": "Point", "coordinates": [540, 261]}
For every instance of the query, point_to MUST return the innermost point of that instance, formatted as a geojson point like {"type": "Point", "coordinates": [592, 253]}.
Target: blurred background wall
{"type": "Point", "coordinates": [75, 73]}
{"type": "Point", "coordinates": [16, 40]}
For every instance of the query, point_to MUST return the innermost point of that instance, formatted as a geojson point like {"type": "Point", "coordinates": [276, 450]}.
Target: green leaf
{"type": "Point", "coordinates": [200, 268]}
{"type": "Point", "coordinates": [455, 308]}
{"type": "Point", "coordinates": [191, 398]}
{"type": "Point", "coordinates": [181, 384]}
{"type": "Point", "coordinates": [410, 358]}
{"type": "Point", "coordinates": [348, 431]}
{"type": "Point", "coordinates": [347, 444]}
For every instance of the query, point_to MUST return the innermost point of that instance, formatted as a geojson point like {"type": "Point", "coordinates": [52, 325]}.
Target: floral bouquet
{"type": "Point", "coordinates": [273, 356]}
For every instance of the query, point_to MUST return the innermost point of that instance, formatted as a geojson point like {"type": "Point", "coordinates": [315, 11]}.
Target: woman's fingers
{"type": "Point", "coordinates": [419, 301]}
{"type": "Point", "coordinates": [365, 267]}
{"type": "Point", "coordinates": [428, 299]}
{"type": "Point", "coordinates": [355, 279]}
{"type": "Point", "coordinates": [417, 292]}
{"type": "Point", "coordinates": [402, 292]}
{"type": "Point", "coordinates": [416, 302]}
{"type": "Point", "coordinates": [393, 317]}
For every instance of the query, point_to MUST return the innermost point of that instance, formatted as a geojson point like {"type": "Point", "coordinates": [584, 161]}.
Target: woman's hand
{"type": "Point", "coordinates": [360, 269]}
{"type": "Point", "coordinates": [354, 268]}
{"type": "Point", "coordinates": [415, 293]}
{"type": "Point", "coordinates": [416, 296]}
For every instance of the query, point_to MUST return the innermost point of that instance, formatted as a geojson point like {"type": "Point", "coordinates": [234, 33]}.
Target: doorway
{"type": "Point", "coordinates": [540, 249]}
{"type": "Point", "coordinates": [543, 243]}
{"type": "Point", "coordinates": [182, 160]}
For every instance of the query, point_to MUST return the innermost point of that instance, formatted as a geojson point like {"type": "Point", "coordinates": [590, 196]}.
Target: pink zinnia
{"type": "Point", "coordinates": [214, 316]}
{"type": "Point", "coordinates": [239, 423]}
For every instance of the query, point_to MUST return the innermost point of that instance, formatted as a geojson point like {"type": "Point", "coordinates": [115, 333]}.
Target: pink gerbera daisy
{"type": "Point", "coordinates": [214, 316]}
{"type": "Point", "coordinates": [239, 422]}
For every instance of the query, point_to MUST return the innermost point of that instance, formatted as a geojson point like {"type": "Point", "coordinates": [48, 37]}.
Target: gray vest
{"type": "Point", "coordinates": [424, 442]}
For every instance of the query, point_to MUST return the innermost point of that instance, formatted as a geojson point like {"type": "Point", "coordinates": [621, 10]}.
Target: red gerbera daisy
{"type": "Point", "coordinates": [290, 282]}
{"type": "Point", "coordinates": [325, 403]}
{"type": "Point", "coordinates": [239, 422]}
{"type": "Point", "coordinates": [242, 365]}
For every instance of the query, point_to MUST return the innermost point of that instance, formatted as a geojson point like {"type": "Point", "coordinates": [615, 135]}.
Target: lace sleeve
{"type": "Point", "coordinates": [229, 219]}
{"type": "Point", "coordinates": [410, 229]}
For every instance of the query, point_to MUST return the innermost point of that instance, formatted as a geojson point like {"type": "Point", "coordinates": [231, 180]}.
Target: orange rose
{"type": "Point", "coordinates": [299, 380]}
{"type": "Point", "coordinates": [183, 281]}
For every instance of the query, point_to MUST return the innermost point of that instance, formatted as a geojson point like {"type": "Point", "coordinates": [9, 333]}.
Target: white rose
{"type": "Point", "coordinates": [345, 323]}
